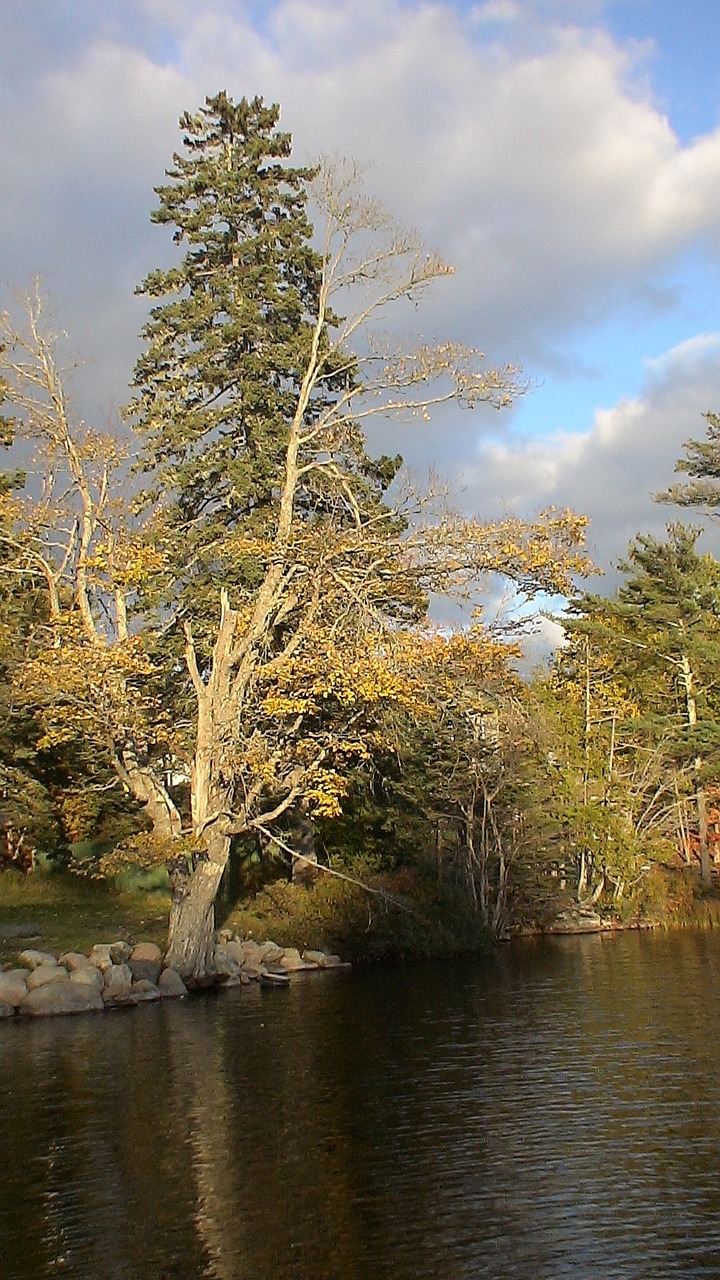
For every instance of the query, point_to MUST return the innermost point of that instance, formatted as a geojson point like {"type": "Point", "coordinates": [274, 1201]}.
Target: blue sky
{"type": "Point", "coordinates": [685, 53]}
{"type": "Point", "coordinates": [564, 155]}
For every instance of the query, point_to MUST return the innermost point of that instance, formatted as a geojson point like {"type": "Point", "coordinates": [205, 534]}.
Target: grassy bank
{"type": "Point", "coordinates": [62, 912]}
{"type": "Point", "coordinates": [403, 916]}
{"type": "Point", "coordinates": [672, 897]}
{"type": "Point", "coordinates": [407, 916]}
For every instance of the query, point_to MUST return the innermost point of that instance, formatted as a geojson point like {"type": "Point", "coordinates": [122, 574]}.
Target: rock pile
{"type": "Point", "coordinates": [113, 974]}
{"type": "Point", "coordinates": [578, 920]}
{"type": "Point", "coordinates": [116, 974]}
{"type": "Point", "coordinates": [240, 962]}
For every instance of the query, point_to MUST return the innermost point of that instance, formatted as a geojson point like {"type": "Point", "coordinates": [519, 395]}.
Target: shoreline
{"type": "Point", "coordinates": [120, 975]}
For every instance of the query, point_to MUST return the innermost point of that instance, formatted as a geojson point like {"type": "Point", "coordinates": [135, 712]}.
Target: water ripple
{"type": "Point", "coordinates": [553, 1114]}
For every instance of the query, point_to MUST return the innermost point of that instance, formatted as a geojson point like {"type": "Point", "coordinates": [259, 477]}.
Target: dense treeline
{"type": "Point", "coordinates": [216, 648]}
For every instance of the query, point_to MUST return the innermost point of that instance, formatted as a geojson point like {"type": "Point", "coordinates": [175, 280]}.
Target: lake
{"type": "Point", "coordinates": [553, 1111]}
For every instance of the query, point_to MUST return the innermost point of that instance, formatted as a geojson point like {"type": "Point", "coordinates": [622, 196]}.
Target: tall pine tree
{"type": "Point", "coordinates": [228, 346]}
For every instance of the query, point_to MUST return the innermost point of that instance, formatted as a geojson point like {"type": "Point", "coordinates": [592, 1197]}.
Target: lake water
{"type": "Point", "coordinates": [552, 1112]}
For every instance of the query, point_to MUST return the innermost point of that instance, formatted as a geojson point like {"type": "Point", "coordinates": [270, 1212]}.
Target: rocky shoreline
{"type": "Point", "coordinates": [115, 975]}
{"type": "Point", "coordinates": [585, 920]}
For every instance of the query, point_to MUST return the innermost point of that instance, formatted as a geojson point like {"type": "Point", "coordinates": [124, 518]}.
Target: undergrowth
{"type": "Point", "coordinates": [672, 897]}
{"type": "Point", "coordinates": [399, 915]}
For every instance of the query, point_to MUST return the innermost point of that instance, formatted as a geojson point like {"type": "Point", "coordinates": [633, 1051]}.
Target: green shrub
{"type": "Point", "coordinates": [673, 896]}
{"type": "Point", "coordinates": [401, 914]}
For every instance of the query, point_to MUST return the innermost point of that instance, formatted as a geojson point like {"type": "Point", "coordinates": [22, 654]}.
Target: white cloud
{"type": "Point", "coordinates": [531, 155]}
{"type": "Point", "coordinates": [557, 189]}
{"type": "Point", "coordinates": [610, 471]}
{"type": "Point", "coordinates": [495, 11]}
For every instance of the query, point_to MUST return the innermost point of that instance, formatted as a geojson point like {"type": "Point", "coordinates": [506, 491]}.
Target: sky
{"type": "Point", "coordinates": [563, 155]}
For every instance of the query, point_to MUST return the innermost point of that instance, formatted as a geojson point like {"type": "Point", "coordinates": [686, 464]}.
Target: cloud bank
{"type": "Point", "coordinates": [520, 138]}
{"type": "Point", "coordinates": [612, 470]}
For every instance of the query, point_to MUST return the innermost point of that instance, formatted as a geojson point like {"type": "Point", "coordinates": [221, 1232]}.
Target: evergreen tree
{"type": "Point", "coordinates": [702, 463]}
{"type": "Point", "coordinates": [251, 402]}
{"type": "Point", "coordinates": [662, 630]}
{"type": "Point", "coordinates": [228, 347]}
{"type": "Point", "coordinates": [28, 821]}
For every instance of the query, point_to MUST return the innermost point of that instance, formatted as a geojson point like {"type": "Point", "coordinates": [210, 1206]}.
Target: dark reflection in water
{"type": "Point", "coordinates": [554, 1112]}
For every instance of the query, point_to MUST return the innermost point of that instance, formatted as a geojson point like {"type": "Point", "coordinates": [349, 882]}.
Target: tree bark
{"type": "Point", "coordinates": [191, 930]}
{"type": "Point", "coordinates": [471, 864]}
{"type": "Point", "coordinates": [145, 787]}
{"type": "Point", "coordinates": [700, 798]}
{"type": "Point", "coordinates": [304, 868]}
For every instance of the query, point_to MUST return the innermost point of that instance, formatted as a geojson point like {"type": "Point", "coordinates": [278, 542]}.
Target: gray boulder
{"type": "Point", "coordinates": [88, 976]}
{"type": "Point", "coordinates": [170, 984]}
{"type": "Point", "coordinates": [120, 952]}
{"type": "Point", "coordinates": [73, 960]}
{"type": "Point", "coordinates": [147, 951]}
{"type": "Point", "coordinates": [117, 984]}
{"type": "Point", "coordinates": [60, 997]}
{"type": "Point", "coordinates": [142, 991]}
{"type": "Point", "coordinates": [7, 1010]}
{"type": "Point", "coordinates": [100, 956]}
{"type": "Point", "coordinates": [576, 920]}
{"type": "Point", "coordinates": [33, 959]}
{"type": "Point", "coordinates": [147, 970]}
{"type": "Point", "coordinates": [225, 964]}
{"type": "Point", "coordinates": [251, 951]}
{"type": "Point", "coordinates": [233, 948]}
{"type": "Point", "coordinates": [13, 987]}
{"type": "Point", "coordinates": [269, 952]}
{"type": "Point", "coordinates": [46, 973]}
{"type": "Point", "coordinates": [292, 962]}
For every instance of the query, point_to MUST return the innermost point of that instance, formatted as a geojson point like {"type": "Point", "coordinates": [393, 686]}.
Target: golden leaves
{"type": "Point", "coordinates": [80, 687]}
{"type": "Point", "coordinates": [126, 564]}
{"type": "Point", "coordinates": [145, 852]}
{"type": "Point", "coordinates": [347, 674]}
{"type": "Point", "coordinates": [540, 555]}
{"type": "Point", "coordinates": [325, 794]}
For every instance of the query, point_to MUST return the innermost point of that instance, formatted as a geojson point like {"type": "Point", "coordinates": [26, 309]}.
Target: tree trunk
{"type": "Point", "coordinates": [191, 941]}
{"type": "Point", "coordinates": [191, 931]}
{"type": "Point", "coordinates": [705, 867]}
{"type": "Point", "coordinates": [144, 786]}
{"type": "Point", "coordinates": [582, 876]}
{"type": "Point", "coordinates": [472, 860]}
{"type": "Point", "coordinates": [304, 868]}
{"type": "Point", "coordinates": [499, 914]}
{"type": "Point", "coordinates": [692, 716]}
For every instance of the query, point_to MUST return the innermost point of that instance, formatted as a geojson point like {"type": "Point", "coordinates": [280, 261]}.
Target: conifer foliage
{"type": "Point", "coordinates": [251, 402]}
{"type": "Point", "coordinates": [229, 340]}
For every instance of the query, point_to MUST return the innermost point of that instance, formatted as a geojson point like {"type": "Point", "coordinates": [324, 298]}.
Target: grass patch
{"type": "Point", "coordinates": [71, 914]}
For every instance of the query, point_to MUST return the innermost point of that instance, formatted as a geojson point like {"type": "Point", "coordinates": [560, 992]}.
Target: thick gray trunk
{"type": "Point", "coordinates": [304, 859]}
{"type": "Point", "coordinates": [191, 940]}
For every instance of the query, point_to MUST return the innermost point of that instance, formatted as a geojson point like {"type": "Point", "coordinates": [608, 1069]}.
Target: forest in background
{"type": "Point", "coordinates": [219, 665]}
